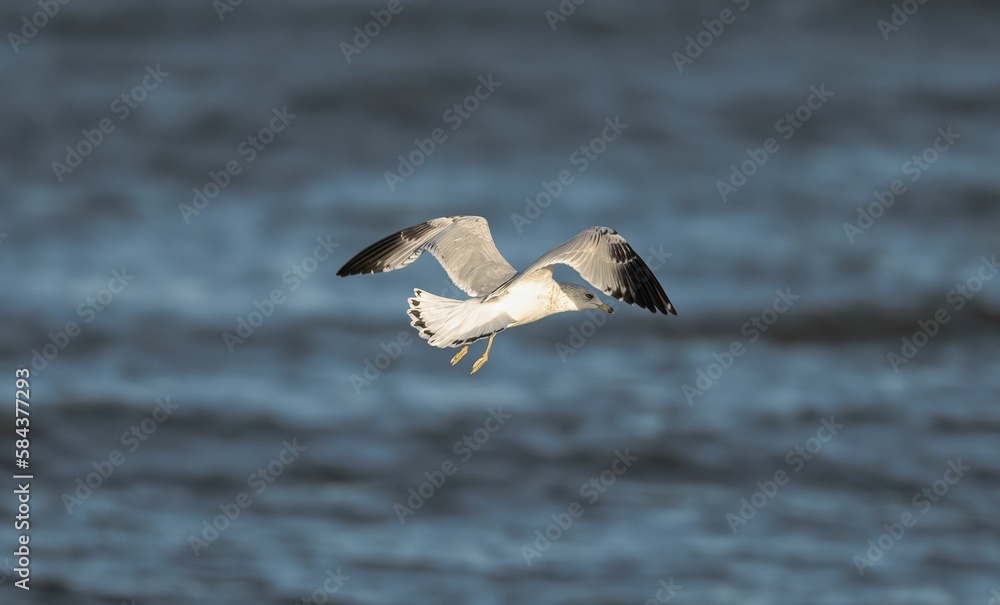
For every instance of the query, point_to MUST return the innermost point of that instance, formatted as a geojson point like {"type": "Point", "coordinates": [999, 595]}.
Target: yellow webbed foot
{"type": "Point", "coordinates": [479, 363]}
{"type": "Point", "coordinates": [458, 356]}
{"type": "Point", "coordinates": [486, 356]}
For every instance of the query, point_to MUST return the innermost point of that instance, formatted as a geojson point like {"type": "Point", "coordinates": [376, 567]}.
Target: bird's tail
{"type": "Point", "coordinates": [446, 322]}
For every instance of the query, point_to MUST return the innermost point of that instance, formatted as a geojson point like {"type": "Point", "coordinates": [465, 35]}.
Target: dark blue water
{"type": "Point", "coordinates": [816, 191]}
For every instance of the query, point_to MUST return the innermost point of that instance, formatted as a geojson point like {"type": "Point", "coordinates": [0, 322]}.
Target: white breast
{"type": "Point", "coordinates": [532, 299]}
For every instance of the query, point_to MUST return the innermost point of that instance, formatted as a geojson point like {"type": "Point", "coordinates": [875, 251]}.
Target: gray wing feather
{"type": "Point", "coordinates": [602, 257]}
{"type": "Point", "coordinates": [462, 244]}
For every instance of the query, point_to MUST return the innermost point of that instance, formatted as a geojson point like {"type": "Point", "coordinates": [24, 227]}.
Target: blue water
{"type": "Point", "coordinates": [789, 323]}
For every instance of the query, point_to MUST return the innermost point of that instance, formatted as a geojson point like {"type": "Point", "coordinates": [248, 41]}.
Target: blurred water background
{"type": "Point", "coordinates": [752, 478]}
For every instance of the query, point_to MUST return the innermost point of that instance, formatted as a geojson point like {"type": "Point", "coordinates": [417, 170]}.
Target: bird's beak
{"type": "Point", "coordinates": [604, 307]}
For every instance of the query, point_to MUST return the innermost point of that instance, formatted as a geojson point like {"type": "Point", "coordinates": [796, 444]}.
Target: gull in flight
{"type": "Point", "coordinates": [503, 297]}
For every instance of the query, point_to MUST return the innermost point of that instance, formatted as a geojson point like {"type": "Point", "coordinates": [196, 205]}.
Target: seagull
{"type": "Point", "coordinates": [503, 297]}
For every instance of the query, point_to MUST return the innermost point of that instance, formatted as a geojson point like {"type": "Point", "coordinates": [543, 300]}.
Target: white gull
{"type": "Point", "coordinates": [502, 296]}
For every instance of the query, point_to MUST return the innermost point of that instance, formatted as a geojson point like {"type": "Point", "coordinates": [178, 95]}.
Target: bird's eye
{"type": "Point", "coordinates": [589, 296]}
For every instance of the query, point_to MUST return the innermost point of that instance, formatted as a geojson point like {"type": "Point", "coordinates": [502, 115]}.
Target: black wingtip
{"type": "Point", "coordinates": [374, 258]}
{"type": "Point", "coordinates": [348, 269]}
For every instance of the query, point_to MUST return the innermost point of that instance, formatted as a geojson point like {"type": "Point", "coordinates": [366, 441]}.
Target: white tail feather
{"type": "Point", "coordinates": [446, 322]}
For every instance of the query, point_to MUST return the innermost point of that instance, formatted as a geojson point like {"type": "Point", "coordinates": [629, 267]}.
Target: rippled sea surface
{"type": "Point", "coordinates": [815, 185]}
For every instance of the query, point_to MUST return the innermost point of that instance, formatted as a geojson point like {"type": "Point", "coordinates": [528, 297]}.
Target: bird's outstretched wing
{"type": "Point", "coordinates": [606, 261]}
{"type": "Point", "coordinates": [462, 244]}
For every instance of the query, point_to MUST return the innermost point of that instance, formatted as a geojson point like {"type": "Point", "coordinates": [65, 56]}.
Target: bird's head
{"type": "Point", "coordinates": [581, 299]}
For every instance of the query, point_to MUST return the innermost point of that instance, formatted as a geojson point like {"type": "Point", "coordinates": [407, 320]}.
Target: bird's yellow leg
{"type": "Point", "coordinates": [479, 362]}
{"type": "Point", "coordinates": [458, 356]}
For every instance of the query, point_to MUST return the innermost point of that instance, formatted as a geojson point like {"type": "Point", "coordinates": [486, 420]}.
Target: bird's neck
{"type": "Point", "coordinates": [560, 301]}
